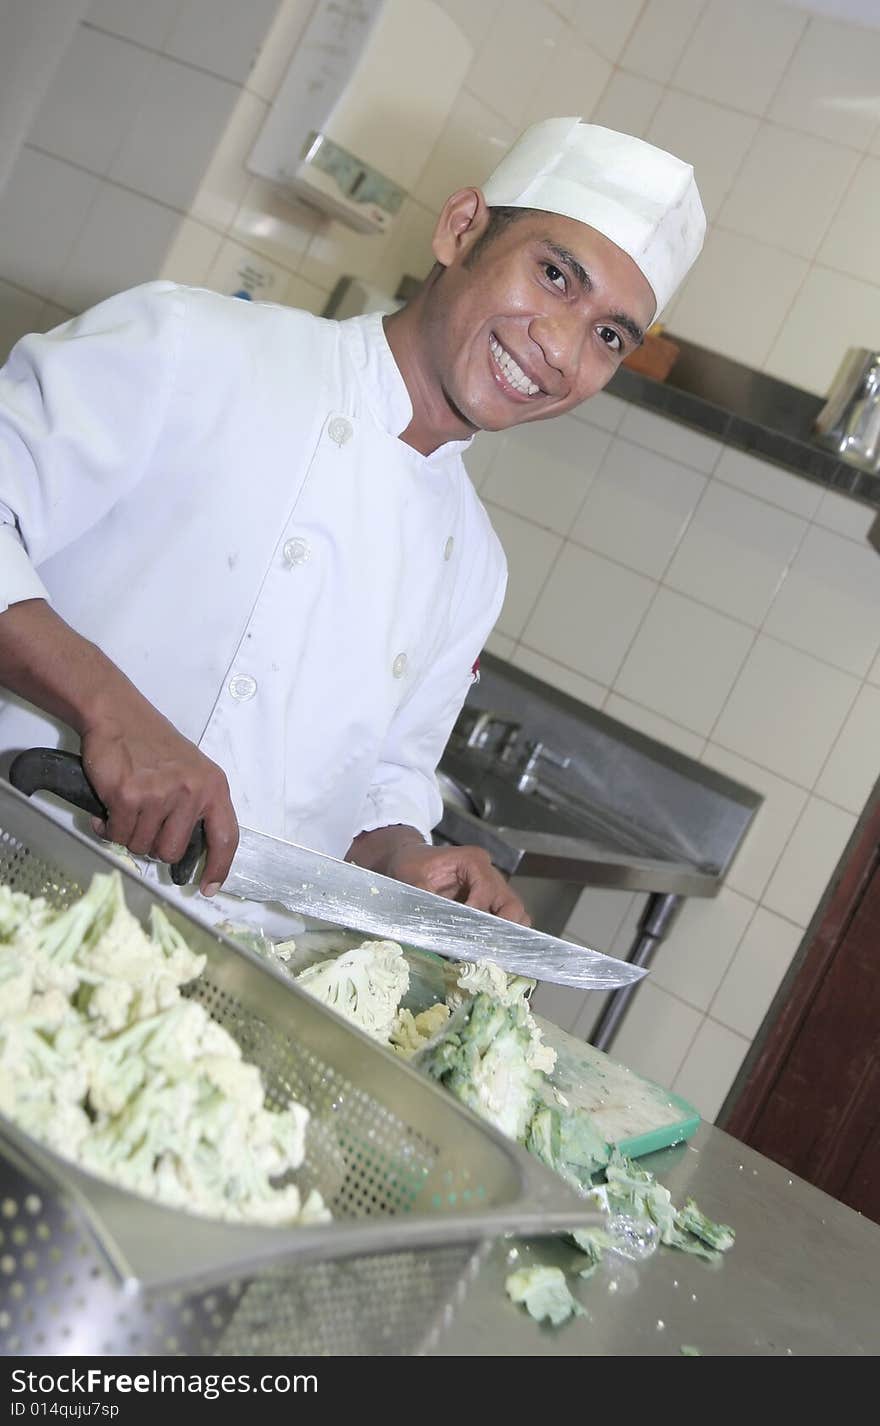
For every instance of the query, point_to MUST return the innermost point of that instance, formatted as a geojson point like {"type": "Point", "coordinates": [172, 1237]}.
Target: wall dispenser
{"type": "Point", "coordinates": [362, 104]}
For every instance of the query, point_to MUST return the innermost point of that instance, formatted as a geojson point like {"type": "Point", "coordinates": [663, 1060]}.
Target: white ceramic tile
{"type": "Point", "coordinates": [500, 644]}
{"type": "Point", "coordinates": [19, 314]}
{"type": "Point", "coordinates": [830, 87]}
{"type": "Point", "coordinates": [545, 470]}
{"type": "Point", "coordinates": [663, 729]}
{"type": "Point", "coordinates": [684, 661]}
{"type": "Point", "coordinates": [692, 960]}
{"type": "Point", "coordinates": [788, 189]}
{"type": "Point", "coordinates": [598, 917]}
{"type": "Point", "coordinates": [769, 482]}
{"type": "Point", "coordinates": [753, 978]}
{"type": "Point", "coordinates": [182, 112]}
{"type": "Point", "coordinates": [474, 20]}
{"type": "Point", "coordinates": [715, 140]}
{"type": "Point", "coordinates": [530, 554]}
{"type": "Point", "coordinates": [606, 27]}
{"type": "Point", "coordinates": [805, 867]}
{"type": "Point", "coordinates": [304, 295]}
{"type": "Point", "coordinates": [710, 1068]}
{"type": "Point", "coordinates": [51, 316]}
{"type": "Point", "coordinates": [225, 180]}
{"type": "Point", "coordinates": [522, 43]}
{"type": "Point", "coordinates": [133, 20]}
{"type": "Point", "coordinates": [804, 353]}
{"type": "Point", "coordinates": [656, 1034]}
{"type": "Point", "coordinates": [573, 83]}
{"type": "Point", "coordinates": [192, 252]}
{"type": "Point", "coordinates": [275, 224]}
{"type": "Point", "coordinates": [335, 249]}
{"type": "Point", "coordinates": [670, 438]}
{"type": "Point", "coordinates": [602, 410]}
{"type": "Point", "coordinates": [222, 36]}
{"type": "Point", "coordinates": [123, 243]}
{"type": "Point", "coordinates": [629, 927]}
{"type": "Point", "coordinates": [638, 507]}
{"type": "Point", "coordinates": [480, 454]}
{"type": "Point", "coordinates": [278, 47]}
{"type": "Point", "coordinates": [853, 765]}
{"type": "Point", "coordinates": [874, 674]}
{"type": "Point", "coordinates": [571, 619]}
{"type": "Point", "coordinates": [735, 553]}
{"type": "Point", "coordinates": [771, 827]}
{"type": "Point", "coordinates": [92, 99]}
{"type": "Point", "coordinates": [628, 103]}
{"type": "Point", "coordinates": [710, 309]}
{"type": "Point", "coordinates": [561, 1004]}
{"type": "Point", "coordinates": [785, 711]}
{"type": "Point", "coordinates": [845, 515]}
{"type": "Point", "coordinates": [408, 250]}
{"type": "Point", "coordinates": [660, 38]}
{"type": "Point", "coordinates": [850, 244]}
{"type": "Point", "coordinates": [739, 53]}
{"type": "Point", "coordinates": [829, 604]}
{"type": "Point", "coordinates": [42, 210]}
{"type": "Point", "coordinates": [472, 143]}
{"type": "Point", "coordinates": [558, 676]}
{"type": "Point", "coordinates": [236, 268]}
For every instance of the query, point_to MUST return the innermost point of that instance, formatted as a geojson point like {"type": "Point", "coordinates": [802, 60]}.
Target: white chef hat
{"type": "Point", "coordinates": [642, 198]}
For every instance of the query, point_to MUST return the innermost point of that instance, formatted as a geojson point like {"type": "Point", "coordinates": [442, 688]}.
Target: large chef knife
{"type": "Point", "coordinates": [269, 869]}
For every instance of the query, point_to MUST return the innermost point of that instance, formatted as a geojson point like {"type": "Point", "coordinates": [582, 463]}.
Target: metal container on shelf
{"type": "Point", "coordinates": [849, 422]}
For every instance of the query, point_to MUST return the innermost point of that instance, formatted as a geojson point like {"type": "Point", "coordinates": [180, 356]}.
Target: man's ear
{"type": "Point", "coordinates": [463, 219]}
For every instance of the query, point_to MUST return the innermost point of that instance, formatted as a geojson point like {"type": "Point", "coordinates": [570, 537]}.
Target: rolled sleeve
{"type": "Point", "coordinates": [18, 578]}
{"type": "Point", "coordinates": [81, 409]}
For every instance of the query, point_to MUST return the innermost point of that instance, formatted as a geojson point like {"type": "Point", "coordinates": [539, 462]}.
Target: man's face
{"type": "Point", "coordinates": [536, 322]}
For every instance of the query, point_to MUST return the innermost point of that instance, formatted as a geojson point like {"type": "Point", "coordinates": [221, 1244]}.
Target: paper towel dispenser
{"type": "Point", "coordinates": [368, 90]}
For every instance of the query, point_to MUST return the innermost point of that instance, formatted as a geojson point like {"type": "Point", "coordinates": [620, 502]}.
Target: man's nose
{"type": "Point", "coordinates": [560, 335]}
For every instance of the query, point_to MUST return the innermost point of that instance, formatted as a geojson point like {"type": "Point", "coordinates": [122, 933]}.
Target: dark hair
{"type": "Point", "coordinates": [499, 220]}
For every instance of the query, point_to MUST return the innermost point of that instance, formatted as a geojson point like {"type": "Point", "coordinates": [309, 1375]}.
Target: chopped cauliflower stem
{"type": "Point", "coordinates": [544, 1293]}
{"type": "Point", "coordinates": [103, 1060]}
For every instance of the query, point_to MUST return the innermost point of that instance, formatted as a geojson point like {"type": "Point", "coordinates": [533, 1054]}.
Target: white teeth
{"type": "Point", "coordinates": [512, 371]}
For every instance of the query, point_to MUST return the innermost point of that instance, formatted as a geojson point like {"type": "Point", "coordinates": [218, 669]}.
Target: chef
{"type": "Point", "coordinates": [242, 567]}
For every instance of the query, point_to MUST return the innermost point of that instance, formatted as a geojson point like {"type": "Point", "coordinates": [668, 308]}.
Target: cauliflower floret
{"type": "Point", "coordinates": [365, 985]}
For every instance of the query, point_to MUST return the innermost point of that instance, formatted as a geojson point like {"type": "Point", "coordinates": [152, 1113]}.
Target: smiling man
{"type": "Point", "coordinates": [242, 568]}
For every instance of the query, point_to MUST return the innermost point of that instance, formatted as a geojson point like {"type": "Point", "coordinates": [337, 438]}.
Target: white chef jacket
{"type": "Point", "coordinates": [214, 492]}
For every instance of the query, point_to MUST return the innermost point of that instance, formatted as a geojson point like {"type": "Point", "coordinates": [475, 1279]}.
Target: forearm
{"type": "Point", "coordinates": [377, 849]}
{"type": "Point", "coordinates": [45, 661]}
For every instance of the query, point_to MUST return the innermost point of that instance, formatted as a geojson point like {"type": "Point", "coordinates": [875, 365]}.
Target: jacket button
{"type": "Point", "coordinates": [340, 430]}
{"type": "Point", "coordinates": [296, 551]}
{"type": "Point", "coordinates": [398, 668]}
{"type": "Point", "coordinates": [242, 687]}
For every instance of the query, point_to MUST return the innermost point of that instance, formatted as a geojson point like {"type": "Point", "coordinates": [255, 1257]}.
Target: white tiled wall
{"type": "Point", "coordinates": [777, 108]}
{"type": "Point", "coordinates": [712, 600]}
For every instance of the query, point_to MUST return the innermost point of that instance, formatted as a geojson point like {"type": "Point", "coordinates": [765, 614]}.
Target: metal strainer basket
{"type": "Point", "coordinates": [87, 1267]}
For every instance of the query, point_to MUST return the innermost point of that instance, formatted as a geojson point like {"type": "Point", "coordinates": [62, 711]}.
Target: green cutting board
{"type": "Point", "coordinates": [628, 1110]}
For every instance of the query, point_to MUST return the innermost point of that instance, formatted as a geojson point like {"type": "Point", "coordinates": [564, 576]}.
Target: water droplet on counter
{"type": "Point", "coordinates": [660, 1324]}
{"type": "Point", "coordinates": [633, 1238]}
{"type": "Point", "coordinates": [612, 1286]}
{"type": "Point", "coordinates": [512, 1256]}
{"type": "Point", "coordinates": [693, 1297]}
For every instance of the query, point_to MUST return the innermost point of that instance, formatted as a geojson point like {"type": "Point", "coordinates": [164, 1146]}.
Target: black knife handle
{"type": "Point", "coordinates": [51, 770]}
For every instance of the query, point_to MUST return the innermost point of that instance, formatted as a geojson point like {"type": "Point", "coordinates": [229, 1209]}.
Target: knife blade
{"type": "Point", "coordinates": [269, 869]}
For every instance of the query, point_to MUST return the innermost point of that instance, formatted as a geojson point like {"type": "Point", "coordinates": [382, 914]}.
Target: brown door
{"type": "Point", "coordinates": [809, 1095]}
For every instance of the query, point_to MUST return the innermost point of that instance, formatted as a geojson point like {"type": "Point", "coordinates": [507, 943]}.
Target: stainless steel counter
{"type": "Point", "coordinates": [802, 1279]}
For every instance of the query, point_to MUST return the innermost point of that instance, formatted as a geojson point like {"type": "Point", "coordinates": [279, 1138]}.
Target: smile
{"type": "Point", "coordinates": [511, 372]}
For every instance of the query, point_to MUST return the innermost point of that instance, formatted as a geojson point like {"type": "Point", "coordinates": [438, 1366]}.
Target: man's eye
{"type": "Point", "coordinates": [611, 338]}
{"type": "Point", "coordinates": [553, 273]}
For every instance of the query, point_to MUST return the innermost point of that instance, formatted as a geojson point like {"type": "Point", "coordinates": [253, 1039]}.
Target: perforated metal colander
{"type": "Point", "coordinates": [86, 1267]}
